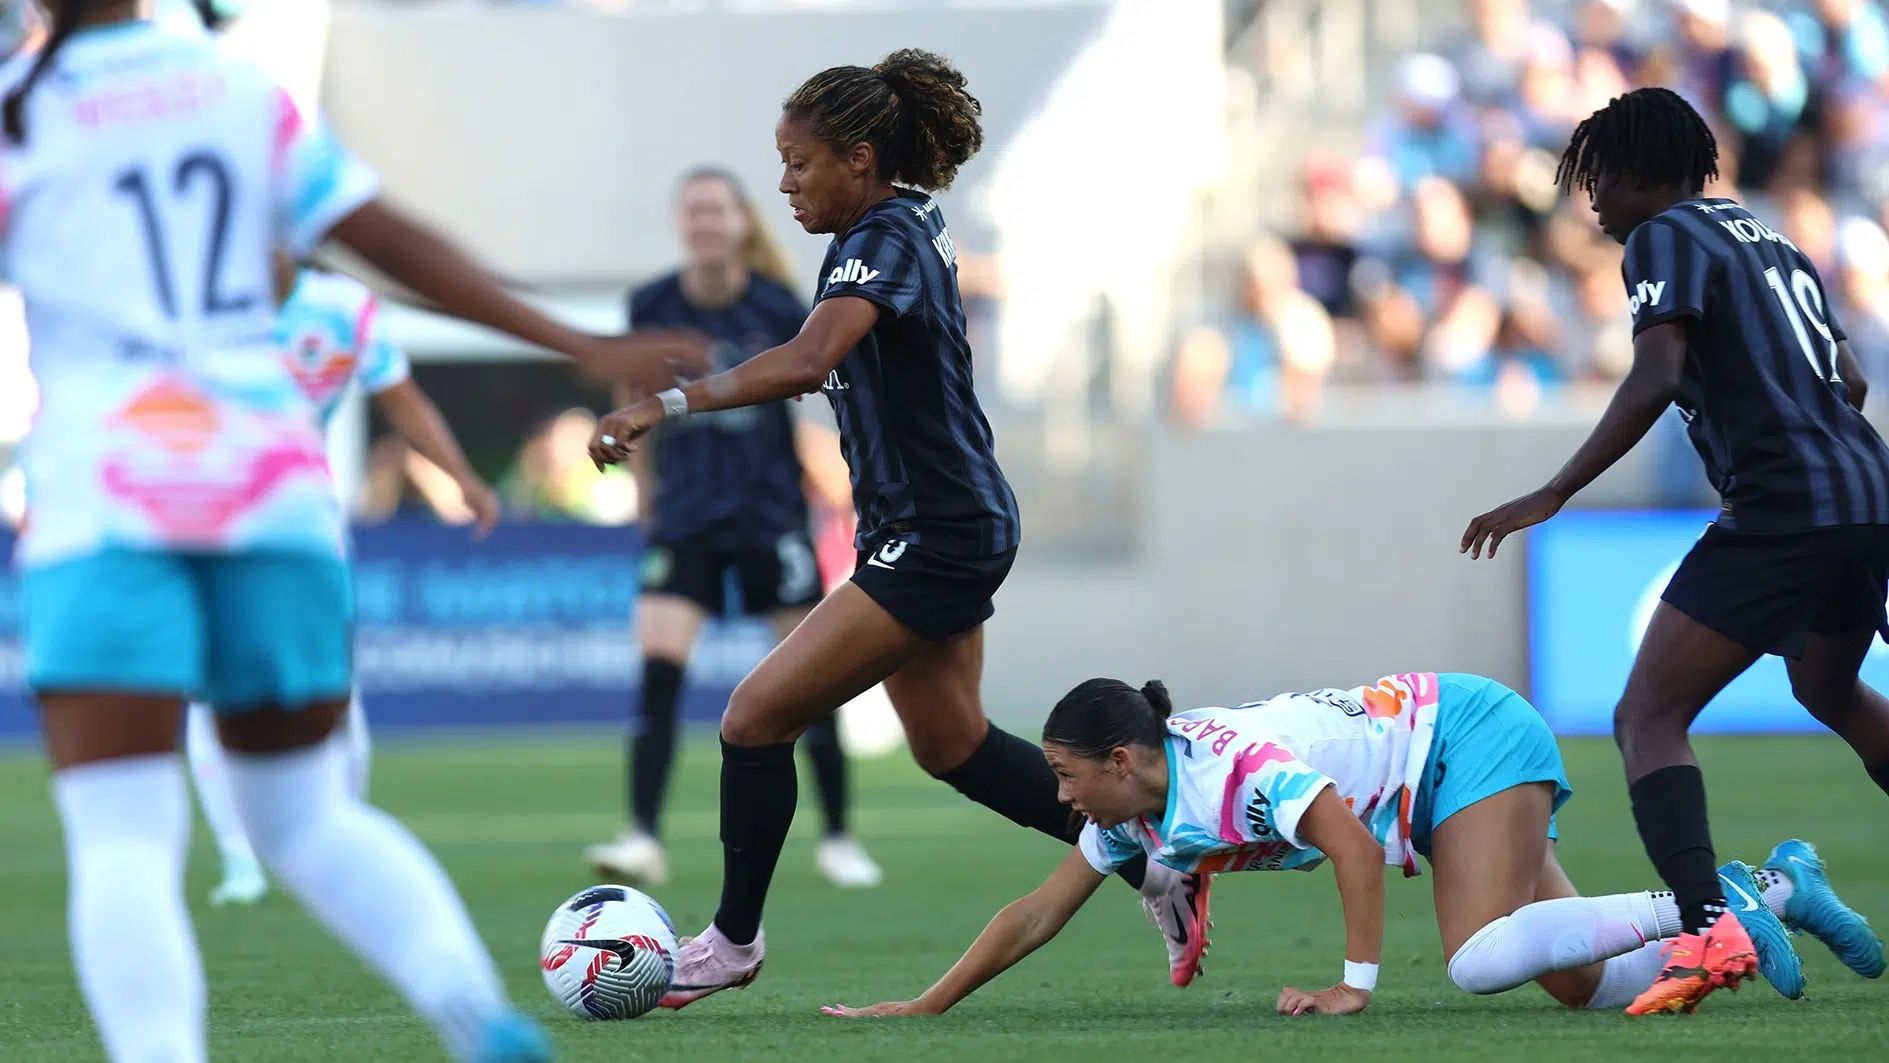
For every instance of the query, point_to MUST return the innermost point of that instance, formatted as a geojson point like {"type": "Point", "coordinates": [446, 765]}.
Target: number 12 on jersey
{"type": "Point", "coordinates": [1805, 300]}
{"type": "Point", "coordinates": [195, 168]}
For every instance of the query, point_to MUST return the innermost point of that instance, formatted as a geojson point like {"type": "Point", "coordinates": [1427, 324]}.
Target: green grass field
{"type": "Point", "coordinates": [509, 817]}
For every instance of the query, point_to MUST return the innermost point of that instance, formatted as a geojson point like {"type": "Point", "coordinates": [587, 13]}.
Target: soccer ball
{"type": "Point", "coordinates": [608, 953]}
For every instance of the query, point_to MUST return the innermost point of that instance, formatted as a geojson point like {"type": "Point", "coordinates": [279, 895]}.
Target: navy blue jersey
{"type": "Point", "coordinates": [1763, 400]}
{"type": "Point", "coordinates": [923, 463]}
{"type": "Point", "coordinates": [727, 479]}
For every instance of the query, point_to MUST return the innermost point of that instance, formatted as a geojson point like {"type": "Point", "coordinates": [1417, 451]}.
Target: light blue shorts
{"type": "Point", "coordinates": [1488, 739]}
{"type": "Point", "coordinates": [238, 631]}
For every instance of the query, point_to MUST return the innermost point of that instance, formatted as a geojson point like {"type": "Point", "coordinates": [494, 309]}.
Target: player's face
{"type": "Point", "coordinates": [1622, 205]}
{"type": "Point", "coordinates": [823, 189]}
{"type": "Point", "coordinates": [1101, 790]}
{"type": "Point", "coordinates": [712, 222]}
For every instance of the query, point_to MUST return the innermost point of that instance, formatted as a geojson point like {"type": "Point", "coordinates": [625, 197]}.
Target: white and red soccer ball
{"type": "Point", "coordinates": [608, 953]}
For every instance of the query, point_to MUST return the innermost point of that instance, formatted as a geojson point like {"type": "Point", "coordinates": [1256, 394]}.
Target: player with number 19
{"type": "Point", "coordinates": [1732, 326]}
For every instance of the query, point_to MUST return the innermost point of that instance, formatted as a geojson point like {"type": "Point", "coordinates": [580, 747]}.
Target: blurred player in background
{"type": "Point", "coordinates": [725, 499]}
{"type": "Point", "coordinates": [1457, 769]}
{"type": "Point", "coordinates": [1731, 324]}
{"type": "Point", "coordinates": [184, 537]}
{"type": "Point", "coordinates": [938, 523]}
{"type": "Point", "coordinates": [327, 326]}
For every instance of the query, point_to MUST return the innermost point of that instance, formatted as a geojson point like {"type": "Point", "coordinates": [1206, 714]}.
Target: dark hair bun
{"type": "Point", "coordinates": [1157, 694]}
{"type": "Point", "coordinates": [939, 119]}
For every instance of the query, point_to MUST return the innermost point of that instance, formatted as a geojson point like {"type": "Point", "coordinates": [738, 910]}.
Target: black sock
{"type": "Point", "coordinates": [758, 793]}
{"type": "Point", "coordinates": [821, 743]}
{"type": "Point", "coordinates": [1669, 806]}
{"type": "Point", "coordinates": [1880, 773]}
{"type": "Point", "coordinates": [1010, 777]}
{"type": "Point", "coordinates": [653, 741]}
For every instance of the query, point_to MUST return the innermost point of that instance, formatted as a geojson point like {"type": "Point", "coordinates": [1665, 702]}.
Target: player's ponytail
{"type": "Point", "coordinates": [913, 108]}
{"type": "Point", "coordinates": [66, 17]}
{"type": "Point", "coordinates": [1102, 715]}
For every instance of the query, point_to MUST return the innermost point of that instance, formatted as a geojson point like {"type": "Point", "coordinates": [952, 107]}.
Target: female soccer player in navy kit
{"type": "Point", "coordinates": [723, 494]}
{"type": "Point", "coordinates": [1730, 324]}
{"type": "Point", "coordinates": [938, 525]}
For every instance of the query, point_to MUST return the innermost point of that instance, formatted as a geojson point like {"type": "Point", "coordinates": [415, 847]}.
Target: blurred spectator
{"type": "Point", "coordinates": [1862, 293]}
{"type": "Point", "coordinates": [1545, 96]}
{"type": "Point", "coordinates": [554, 478]}
{"type": "Point", "coordinates": [1199, 376]}
{"type": "Point", "coordinates": [1282, 346]}
{"type": "Point", "coordinates": [1701, 59]}
{"type": "Point", "coordinates": [1432, 270]}
{"type": "Point", "coordinates": [1842, 41]}
{"type": "Point", "coordinates": [1327, 249]}
{"type": "Point", "coordinates": [1603, 26]}
{"type": "Point", "coordinates": [1770, 104]}
{"type": "Point", "coordinates": [400, 482]}
{"type": "Point", "coordinates": [1807, 219]}
{"type": "Point", "coordinates": [1446, 253]}
{"type": "Point", "coordinates": [1490, 59]}
{"type": "Point", "coordinates": [1528, 341]}
{"type": "Point", "coordinates": [1431, 135]}
{"type": "Point", "coordinates": [1857, 154]}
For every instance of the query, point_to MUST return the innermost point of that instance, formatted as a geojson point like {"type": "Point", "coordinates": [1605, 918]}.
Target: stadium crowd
{"type": "Point", "coordinates": [1443, 253]}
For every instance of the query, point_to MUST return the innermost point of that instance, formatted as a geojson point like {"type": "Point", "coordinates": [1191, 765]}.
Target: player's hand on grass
{"type": "Point", "coordinates": [1340, 999]}
{"type": "Point", "coordinates": [878, 1011]}
{"type": "Point", "coordinates": [1499, 523]}
{"type": "Point", "coordinates": [618, 431]}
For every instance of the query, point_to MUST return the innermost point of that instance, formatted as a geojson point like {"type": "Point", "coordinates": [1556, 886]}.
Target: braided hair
{"type": "Point", "coordinates": [912, 108]}
{"type": "Point", "coordinates": [67, 16]}
{"type": "Point", "coordinates": [1652, 135]}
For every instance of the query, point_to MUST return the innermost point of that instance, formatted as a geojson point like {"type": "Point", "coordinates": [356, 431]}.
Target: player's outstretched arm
{"type": "Point", "coordinates": [439, 272]}
{"type": "Point", "coordinates": [415, 419]}
{"type": "Point", "coordinates": [1357, 860]}
{"type": "Point", "coordinates": [1659, 357]}
{"type": "Point", "coordinates": [1020, 929]}
{"type": "Point", "coordinates": [796, 367]}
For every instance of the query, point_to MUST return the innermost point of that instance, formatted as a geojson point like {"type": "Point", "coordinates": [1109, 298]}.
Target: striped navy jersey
{"type": "Point", "coordinates": [726, 479]}
{"type": "Point", "coordinates": [923, 463]}
{"type": "Point", "coordinates": [1763, 400]}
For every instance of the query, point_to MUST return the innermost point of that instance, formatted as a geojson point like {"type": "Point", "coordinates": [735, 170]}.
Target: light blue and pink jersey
{"type": "Point", "coordinates": [329, 330]}
{"type": "Point", "coordinates": [168, 418]}
{"type": "Point", "coordinates": [1240, 779]}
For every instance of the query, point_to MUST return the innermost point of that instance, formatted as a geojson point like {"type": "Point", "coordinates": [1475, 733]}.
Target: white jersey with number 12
{"type": "Point", "coordinates": [156, 176]}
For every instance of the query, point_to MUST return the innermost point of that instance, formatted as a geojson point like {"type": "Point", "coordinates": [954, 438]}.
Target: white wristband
{"type": "Point", "coordinates": [1361, 975]}
{"type": "Point", "coordinates": [674, 403]}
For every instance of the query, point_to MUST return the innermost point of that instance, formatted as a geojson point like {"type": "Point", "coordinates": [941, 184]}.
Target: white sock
{"type": "Point", "coordinates": [1625, 977]}
{"type": "Point", "coordinates": [373, 884]}
{"type": "Point", "coordinates": [1777, 889]}
{"type": "Point", "coordinates": [127, 829]}
{"type": "Point", "coordinates": [358, 747]}
{"type": "Point", "coordinates": [207, 768]}
{"type": "Point", "coordinates": [1557, 935]}
{"type": "Point", "coordinates": [1775, 898]}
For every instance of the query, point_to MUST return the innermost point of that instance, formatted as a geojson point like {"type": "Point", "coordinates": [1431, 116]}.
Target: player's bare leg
{"type": "Point", "coordinates": [1509, 915]}
{"type": "Point", "coordinates": [847, 645]}
{"type": "Point", "coordinates": [1825, 683]}
{"type": "Point", "coordinates": [1487, 861]}
{"type": "Point", "coordinates": [1681, 666]}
